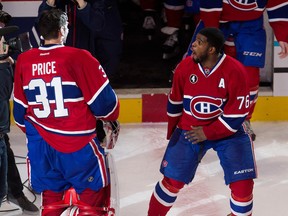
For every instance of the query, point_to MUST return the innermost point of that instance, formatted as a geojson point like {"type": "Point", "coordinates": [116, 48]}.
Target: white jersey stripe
{"type": "Point", "coordinates": [101, 161]}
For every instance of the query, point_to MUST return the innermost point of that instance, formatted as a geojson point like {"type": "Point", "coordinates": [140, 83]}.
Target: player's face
{"type": "Point", "coordinates": [200, 49]}
{"type": "Point", "coordinates": [65, 32]}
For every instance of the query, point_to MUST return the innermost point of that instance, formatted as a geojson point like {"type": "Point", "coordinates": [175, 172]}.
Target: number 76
{"type": "Point", "coordinates": [244, 100]}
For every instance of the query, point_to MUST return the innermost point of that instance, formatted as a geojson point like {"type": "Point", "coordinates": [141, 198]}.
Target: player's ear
{"type": "Point", "coordinates": [62, 30]}
{"type": "Point", "coordinates": [212, 49]}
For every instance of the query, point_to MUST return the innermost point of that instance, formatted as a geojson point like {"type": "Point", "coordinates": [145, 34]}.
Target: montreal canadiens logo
{"type": "Point", "coordinates": [164, 163]}
{"type": "Point", "coordinates": [193, 79]}
{"type": "Point", "coordinates": [244, 5]}
{"type": "Point", "coordinates": [204, 107]}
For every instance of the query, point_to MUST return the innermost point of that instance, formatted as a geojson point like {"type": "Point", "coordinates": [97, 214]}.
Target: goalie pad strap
{"type": "Point", "coordinates": [71, 198]}
{"type": "Point", "coordinates": [82, 206]}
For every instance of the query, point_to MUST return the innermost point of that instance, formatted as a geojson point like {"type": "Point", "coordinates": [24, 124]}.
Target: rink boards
{"type": "Point", "coordinates": [149, 105]}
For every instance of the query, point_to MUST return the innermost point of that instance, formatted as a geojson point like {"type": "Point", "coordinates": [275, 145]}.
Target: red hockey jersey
{"type": "Point", "coordinates": [218, 99]}
{"type": "Point", "coordinates": [61, 91]}
{"type": "Point", "coordinates": [218, 11]}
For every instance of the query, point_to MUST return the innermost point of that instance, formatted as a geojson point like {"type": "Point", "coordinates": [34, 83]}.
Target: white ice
{"type": "Point", "coordinates": [138, 154]}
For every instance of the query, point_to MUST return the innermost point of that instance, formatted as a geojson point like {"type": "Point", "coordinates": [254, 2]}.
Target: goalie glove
{"type": "Point", "coordinates": [107, 133]}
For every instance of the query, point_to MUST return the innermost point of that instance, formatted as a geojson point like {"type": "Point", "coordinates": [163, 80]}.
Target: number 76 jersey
{"type": "Point", "coordinates": [61, 91]}
{"type": "Point", "coordinates": [217, 99]}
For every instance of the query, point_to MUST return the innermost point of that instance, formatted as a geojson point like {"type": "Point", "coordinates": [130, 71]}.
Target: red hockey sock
{"type": "Point", "coordinates": [156, 208]}
{"type": "Point", "coordinates": [148, 4]}
{"type": "Point", "coordinates": [174, 17]}
{"type": "Point", "coordinates": [241, 201]}
{"type": "Point", "coordinates": [164, 196]}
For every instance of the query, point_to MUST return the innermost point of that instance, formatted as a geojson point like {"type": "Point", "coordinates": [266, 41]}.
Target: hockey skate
{"type": "Point", "coordinates": [149, 24]}
{"type": "Point", "coordinates": [171, 46]}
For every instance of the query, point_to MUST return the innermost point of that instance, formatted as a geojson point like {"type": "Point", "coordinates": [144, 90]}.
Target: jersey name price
{"type": "Point", "coordinates": [44, 68]}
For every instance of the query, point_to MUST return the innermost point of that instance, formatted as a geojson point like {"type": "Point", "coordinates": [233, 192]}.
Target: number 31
{"type": "Point", "coordinates": [42, 98]}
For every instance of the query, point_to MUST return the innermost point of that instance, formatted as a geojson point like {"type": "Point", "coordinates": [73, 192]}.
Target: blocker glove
{"type": "Point", "coordinates": [107, 133]}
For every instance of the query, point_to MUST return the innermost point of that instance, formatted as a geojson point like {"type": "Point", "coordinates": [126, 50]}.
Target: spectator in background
{"type": "Point", "coordinates": [15, 186]}
{"type": "Point", "coordinates": [94, 25]}
{"type": "Point", "coordinates": [6, 87]}
{"type": "Point", "coordinates": [242, 25]}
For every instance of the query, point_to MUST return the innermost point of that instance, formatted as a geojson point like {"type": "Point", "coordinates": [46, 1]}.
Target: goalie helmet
{"type": "Point", "coordinates": [108, 132]}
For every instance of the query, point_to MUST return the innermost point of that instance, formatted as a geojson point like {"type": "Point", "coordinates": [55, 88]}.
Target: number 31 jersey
{"type": "Point", "coordinates": [61, 91]}
{"type": "Point", "coordinates": [217, 99]}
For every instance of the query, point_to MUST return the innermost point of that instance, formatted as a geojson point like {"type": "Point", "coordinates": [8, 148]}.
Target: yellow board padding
{"type": "Point", "coordinates": [130, 110]}
{"type": "Point", "coordinates": [268, 108]}
{"type": "Point", "coordinates": [271, 109]}
{"type": "Point", "coordinates": [11, 112]}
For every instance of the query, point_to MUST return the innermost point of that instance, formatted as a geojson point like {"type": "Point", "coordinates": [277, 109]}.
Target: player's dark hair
{"type": "Point", "coordinates": [214, 37]}
{"type": "Point", "coordinates": [50, 23]}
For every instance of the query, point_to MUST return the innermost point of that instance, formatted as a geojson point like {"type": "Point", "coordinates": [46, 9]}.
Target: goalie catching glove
{"type": "Point", "coordinates": [107, 133]}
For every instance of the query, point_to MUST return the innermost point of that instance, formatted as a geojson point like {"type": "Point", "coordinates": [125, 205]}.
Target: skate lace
{"type": "Point", "coordinates": [149, 23]}
{"type": "Point", "coordinates": [172, 40]}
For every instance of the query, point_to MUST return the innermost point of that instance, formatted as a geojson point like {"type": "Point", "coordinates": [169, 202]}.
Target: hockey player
{"type": "Point", "coordinates": [242, 22]}
{"type": "Point", "coordinates": [207, 105]}
{"type": "Point", "coordinates": [95, 26]}
{"type": "Point", "coordinates": [174, 11]}
{"type": "Point", "coordinates": [59, 93]}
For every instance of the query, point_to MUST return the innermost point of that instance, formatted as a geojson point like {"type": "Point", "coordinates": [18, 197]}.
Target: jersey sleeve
{"type": "Point", "coordinates": [278, 18]}
{"type": "Point", "coordinates": [20, 103]}
{"type": "Point", "coordinates": [96, 89]}
{"type": "Point", "coordinates": [235, 108]}
{"type": "Point", "coordinates": [44, 6]}
{"type": "Point", "coordinates": [93, 16]}
{"type": "Point", "coordinates": [210, 12]}
{"type": "Point", "coordinates": [175, 101]}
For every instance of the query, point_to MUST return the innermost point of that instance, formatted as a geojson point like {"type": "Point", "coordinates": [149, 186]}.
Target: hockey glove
{"type": "Point", "coordinates": [100, 130]}
{"type": "Point", "coordinates": [107, 133]}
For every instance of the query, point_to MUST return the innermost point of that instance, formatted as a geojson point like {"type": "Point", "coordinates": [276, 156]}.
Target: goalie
{"type": "Point", "coordinates": [59, 93]}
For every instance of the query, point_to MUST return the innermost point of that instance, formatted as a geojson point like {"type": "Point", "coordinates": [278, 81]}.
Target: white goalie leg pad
{"type": "Point", "coordinates": [114, 191]}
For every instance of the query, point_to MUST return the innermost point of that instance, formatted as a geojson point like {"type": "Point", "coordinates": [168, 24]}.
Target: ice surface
{"type": "Point", "coordinates": [138, 154]}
